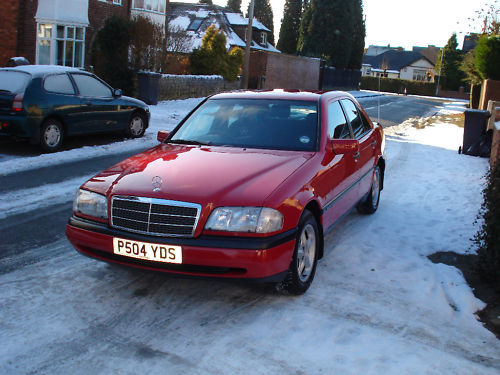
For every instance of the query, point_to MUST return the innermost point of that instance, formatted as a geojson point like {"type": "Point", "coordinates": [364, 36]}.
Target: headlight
{"type": "Point", "coordinates": [245, 219]}
{"type": "Point", "coordinates": [90, 204]}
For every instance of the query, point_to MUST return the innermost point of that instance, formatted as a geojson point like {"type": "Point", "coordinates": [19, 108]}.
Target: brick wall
{"type": "Point", "coordinates": [270, 70]}
{"type": "Point", "coordinates": [495, 145]}
{"type": "Point", "coordinates": [189, 86]}
{"type": "Point", "coordinates": [99, 12]}
{"type": "Point", "coordinates": [8, 30]}
{"type": "Point", "coordinates": [490, 91]}
{"type": "Point", "coordinates": [26, 45]}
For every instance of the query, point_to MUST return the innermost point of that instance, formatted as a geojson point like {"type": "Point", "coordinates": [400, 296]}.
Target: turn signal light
{"type": "Point", "coordinates": [17, 103]}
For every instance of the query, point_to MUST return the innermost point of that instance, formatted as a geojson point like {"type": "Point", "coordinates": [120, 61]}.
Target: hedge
{"type": "Point", "coordinates": [398, 86]}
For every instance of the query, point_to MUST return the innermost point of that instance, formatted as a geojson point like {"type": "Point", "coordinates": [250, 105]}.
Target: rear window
{"type": "Point", "coordinates": [13, 82]}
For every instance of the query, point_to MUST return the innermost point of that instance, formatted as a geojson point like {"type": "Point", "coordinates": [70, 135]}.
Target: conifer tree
{"type": "Point", "coordinates": [452, 59]}
{"type": "Point", "coordinates": [328, 31]}
{"type": "Point", "coordinates": [290, 26]}
{"type": "Point", "coordinates": [264, 13]}
{"type": "Point", "coordinates": [358, 37]}
{"type": "Point", "coordinates": [234, 5]}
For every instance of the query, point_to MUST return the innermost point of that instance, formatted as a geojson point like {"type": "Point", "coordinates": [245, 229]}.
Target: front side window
{"type": "Point", "coordinates": [358, 124]}
{"type": "Point", "coordinates": [59, 84]}
{"type": "Point", "coordinates": [91, 87]}
{"type": "Point", "coordinates": [338, 128]}
{"type": "Point", "coordinates": [252, 123]}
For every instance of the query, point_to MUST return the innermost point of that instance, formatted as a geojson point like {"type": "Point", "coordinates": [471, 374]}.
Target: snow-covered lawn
{"type": "Point", "coordinates": [376, 306]}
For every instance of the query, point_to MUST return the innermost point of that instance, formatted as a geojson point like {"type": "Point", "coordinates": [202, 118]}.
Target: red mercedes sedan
{"type": "Point", "coordinates": [244, 187]}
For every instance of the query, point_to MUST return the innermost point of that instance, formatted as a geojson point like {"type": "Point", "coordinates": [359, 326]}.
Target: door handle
{"type": "Point", "coordinates": [374, 143]}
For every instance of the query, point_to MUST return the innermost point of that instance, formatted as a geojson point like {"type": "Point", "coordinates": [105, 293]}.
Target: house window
{"type": "Point", "coordinates": [61, 45]}
{"type": "Point", "coordinates": [263, 38]}
{"type": "Point", "coordinates": [44, 44]}
{"type": "Point", "coordinates": [149, 5]}
{"type": "Point", "coordinates": [117, 2]}
{"type": "Point", "coordinates": [419, 75]}
{"type": "Point", "coordinates": [195, 24]}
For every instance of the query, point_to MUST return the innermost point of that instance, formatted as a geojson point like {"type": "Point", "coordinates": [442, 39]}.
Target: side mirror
{"type": "Point", "coordinates": [162, 135]}
{"type": "Point", "coordinates": [345, 146]}
{"type": "Point", "coordinates": [117, 93]}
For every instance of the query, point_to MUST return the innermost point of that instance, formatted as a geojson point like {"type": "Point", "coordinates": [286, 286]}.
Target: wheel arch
{"type": "Point", "coordinates": [381, 165]}
{"type": "Point", "coordinates": [35, 139]}
{"type": "Point", "coordinates": [314, 208]}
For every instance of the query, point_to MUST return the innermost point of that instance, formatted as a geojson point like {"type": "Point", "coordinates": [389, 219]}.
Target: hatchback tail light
{"type": "Point", "coordinates": [17, 103]}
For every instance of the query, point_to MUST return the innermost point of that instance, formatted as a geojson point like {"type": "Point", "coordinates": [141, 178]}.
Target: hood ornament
{"type": "Point", "coordinates": [156, 182]}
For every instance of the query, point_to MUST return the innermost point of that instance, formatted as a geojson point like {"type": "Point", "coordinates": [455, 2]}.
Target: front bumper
{"type": "Point", "coordinates": [259, 259]}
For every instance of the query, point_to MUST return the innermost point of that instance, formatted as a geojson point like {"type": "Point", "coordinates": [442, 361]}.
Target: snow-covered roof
{"type": "Point", "coordinates": [183, 15]}
{"type": "Point", "coordinates": [237, 19]}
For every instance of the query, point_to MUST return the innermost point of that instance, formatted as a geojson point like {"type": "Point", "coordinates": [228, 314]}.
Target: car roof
{"type": "Point", "coordinates": [42, 70]}
{"type": "Point", "coordinates": [281, 94]}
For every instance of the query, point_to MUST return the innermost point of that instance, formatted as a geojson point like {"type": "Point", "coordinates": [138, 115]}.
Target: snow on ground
{"type": "Point", "coordinates": [376, 306]}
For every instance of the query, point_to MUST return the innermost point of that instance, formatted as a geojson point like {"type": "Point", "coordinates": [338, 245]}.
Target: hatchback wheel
{"type": "Point", "coordinates": [136, 126]}
{"type": "Point", "coordinates": [303, 265]}
{"type": "Point", "coordinates": [370, 204]}
{"type": "Point", "coordinates": [51, 135]}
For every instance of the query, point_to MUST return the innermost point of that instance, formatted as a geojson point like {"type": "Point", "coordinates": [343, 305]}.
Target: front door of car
{"type": "Point", "coordinates": [99, 106]}
{"type": "Point", "coordinates": [339, 177]}
{"type": "Point", "coordinates": [364, 133]}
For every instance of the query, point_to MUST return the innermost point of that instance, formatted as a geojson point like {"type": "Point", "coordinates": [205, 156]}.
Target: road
{"type": "Point", "coordinates": [64, 313]}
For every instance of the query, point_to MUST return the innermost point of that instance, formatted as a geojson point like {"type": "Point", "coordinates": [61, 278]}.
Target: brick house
{"type": "Point", "coordinates": [62, 32]}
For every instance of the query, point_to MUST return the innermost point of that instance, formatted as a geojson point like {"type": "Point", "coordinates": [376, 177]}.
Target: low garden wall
{"type": "Point", "coordinates": [191, 86]}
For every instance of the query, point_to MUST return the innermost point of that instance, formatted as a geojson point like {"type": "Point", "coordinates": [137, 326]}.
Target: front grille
{"type": "Point", "coordinates": [159, 217]}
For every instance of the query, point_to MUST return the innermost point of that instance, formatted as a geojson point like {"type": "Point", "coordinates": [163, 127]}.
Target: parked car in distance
{"type": "Point", "coordinates": [244, 187]}
{"type": "Point", "coordinates": [47, 103]}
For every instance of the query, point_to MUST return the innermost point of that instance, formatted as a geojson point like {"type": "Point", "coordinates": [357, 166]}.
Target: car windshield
{"type": "Point", "coordinates": [252, 123]}
{"type": "Point", "coordinates": [13, 82]}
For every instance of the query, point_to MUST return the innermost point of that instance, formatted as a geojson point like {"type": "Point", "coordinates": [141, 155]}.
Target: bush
{"type": "Point", "coordinates": [488, 57]}
{"type": "Point", "coordinates": [487, 238]}
{"type": "Point", "coordinates": [398, 86]}
{"type": "Point", "coordinates": [111, 54]}
{"type": "Point", "coordinates": [213, 57]}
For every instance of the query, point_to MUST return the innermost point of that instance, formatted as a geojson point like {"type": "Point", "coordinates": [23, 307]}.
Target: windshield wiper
{"type": "Point", "coordinates": [189, 142]}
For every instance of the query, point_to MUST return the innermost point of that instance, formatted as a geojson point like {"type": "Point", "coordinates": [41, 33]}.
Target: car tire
{"type": "Point", "coordinates": [136, 126]}
{"type": "Point", "coordinates": [370, 204]}
{"type": "Point", "coordinates": [51, 135]}
{"type": "Point", "coordinates": [305, 257]}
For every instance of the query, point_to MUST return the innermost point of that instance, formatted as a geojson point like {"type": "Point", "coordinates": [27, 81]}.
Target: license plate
{"type": "Point", "coordinates": [147, 251]}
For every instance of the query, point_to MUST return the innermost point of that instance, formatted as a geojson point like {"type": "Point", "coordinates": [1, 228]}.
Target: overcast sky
{"type": "Point", "coordinates": [406, 23]}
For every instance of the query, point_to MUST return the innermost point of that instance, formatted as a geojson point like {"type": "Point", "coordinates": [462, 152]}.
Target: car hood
{"type": "Point", "coordinates": [206, 175]}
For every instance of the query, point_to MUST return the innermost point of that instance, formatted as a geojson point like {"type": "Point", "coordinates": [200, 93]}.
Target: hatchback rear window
{"type": "Point", "coordinates": [13, 82]}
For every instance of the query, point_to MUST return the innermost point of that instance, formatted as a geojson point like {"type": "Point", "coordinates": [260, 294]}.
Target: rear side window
{"type": "Point", "coordinates": [59, 84]}
{"type": "Point", "coordinates": [13, 82]}
{"type": "Point", "coordinates": [358, 124]}
{"type": "Point", "coordinates": [90, 86]}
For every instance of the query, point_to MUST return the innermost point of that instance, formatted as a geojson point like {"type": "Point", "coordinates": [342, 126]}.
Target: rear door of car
{"type": "Point", "coordinates": [365, 134]}
{"type": "Point", "coordinates": [99, 106]}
